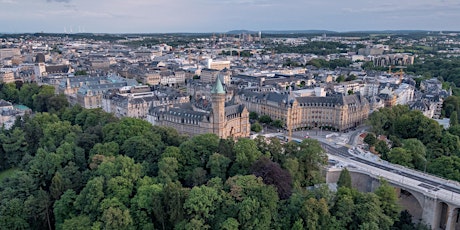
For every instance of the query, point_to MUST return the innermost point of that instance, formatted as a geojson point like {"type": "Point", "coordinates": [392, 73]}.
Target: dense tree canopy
{"type": "Point", "coordinates": [417, 141]}
{"type": "Point", "coordinates": [84, 169]}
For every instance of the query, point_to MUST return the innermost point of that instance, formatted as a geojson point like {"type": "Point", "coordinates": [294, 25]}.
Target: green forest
{"type": "Point", "coordinates": [65, 167]}
{"type": "Point", "coordinates": [417, 141]}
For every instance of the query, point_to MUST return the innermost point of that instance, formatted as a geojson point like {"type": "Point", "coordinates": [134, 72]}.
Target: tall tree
{"type": "Point", "coordinates": [388, 200]}
{"type": "Point", "coordinates": [400, 156]}
{"type": "Point", "coordinates": [14, 145]}
{"type": "Point", "coordinates": [89, 199]}
{"type": "Point", "coordinates": [370, 139]}
{"type": "Point", "coordinates": [202, 202]}
{"type": "Point", "coordinates": [148, 207]}
{"type": "Point", "coordinates": [311, 157]}
{"type": "Point", "coordinates": [344, 179]}
{"type": "Point", "coordinates": [195, 153]}
{"type": "Point", "coordinates": [218, 165]}
{"type": "Point", "coordinates": [273, 174]}
{"type": "Point", "coordinates": [344, 207]}
{"type": "Point", "coordinates": [115, 215]}
{"type": "Point", "coordinates": [453, 119]}
{"type": "Point", "coordinates": [167, 170]}
{"type": "Point", "coordinates": [126, 128]}
{"type": "Point", "coordinates": [64, 207]}
{"type": "Point", "coordinates": [246, 154]}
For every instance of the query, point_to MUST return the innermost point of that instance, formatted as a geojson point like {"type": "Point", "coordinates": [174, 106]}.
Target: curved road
{"type": "Point", "coordinates": [432, 184]}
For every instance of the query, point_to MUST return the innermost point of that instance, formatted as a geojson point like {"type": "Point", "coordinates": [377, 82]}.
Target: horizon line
{"type": "Point", "coordinates": [300, 31]}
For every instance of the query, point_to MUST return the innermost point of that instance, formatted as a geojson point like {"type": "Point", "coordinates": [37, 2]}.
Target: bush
{"type": "Point", "coordinates": [256, 127]}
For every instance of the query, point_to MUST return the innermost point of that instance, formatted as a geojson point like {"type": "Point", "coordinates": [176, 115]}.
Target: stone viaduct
{"type": "Point", "coordinates": [437, 208]}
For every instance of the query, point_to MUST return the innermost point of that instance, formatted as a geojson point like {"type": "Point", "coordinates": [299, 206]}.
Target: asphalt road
{"type": "Point", "coordinates": [343, 152]}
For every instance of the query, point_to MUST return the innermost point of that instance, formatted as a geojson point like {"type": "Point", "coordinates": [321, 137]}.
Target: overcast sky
{"type": "Point", "coordinates": [157, 16]}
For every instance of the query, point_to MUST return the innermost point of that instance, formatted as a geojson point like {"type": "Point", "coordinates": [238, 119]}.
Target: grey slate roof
{"type": "Point", "coordinates": [4, 103]}
{"type": "Point", "coordinates": [233, 109]}
{"type": "Point", "coordinates": [180, 113]}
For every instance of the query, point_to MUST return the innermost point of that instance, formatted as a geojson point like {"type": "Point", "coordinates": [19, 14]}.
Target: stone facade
{"type": "Point", "coordinates": [224, 120]}
{"type": "Point", "coordinates": [7, 77]}
{"type": "Point", "coordinates": [137, 101]}
{"type": "Point", "coordinates": [336, 111]}
{"type": "Point", "coordinates": [87, 91]}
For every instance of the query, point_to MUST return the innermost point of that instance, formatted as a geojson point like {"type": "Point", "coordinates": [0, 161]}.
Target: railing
{"type": "Point", "coordinates": [402, 181]}
{"type": "Point", "coordinates": [413, 171]}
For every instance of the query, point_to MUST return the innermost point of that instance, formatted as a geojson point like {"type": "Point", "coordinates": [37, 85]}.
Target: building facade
{"type": "Point", "coordinates": [336, 111]}
{"type": "Point", "coordinates": [225, 120]}
{"type": "Point", "coordinates": [6, 77]}
{"type": "Point", "coordinates": [87, 91]}
{"type": "Point", "coordinates": [136, 101]}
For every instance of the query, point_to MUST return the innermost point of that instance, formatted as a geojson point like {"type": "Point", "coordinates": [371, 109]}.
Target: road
{"type": "Point", "coordinates": [337, 147]}
{"type": "Point", "coordinates": [426, 181]}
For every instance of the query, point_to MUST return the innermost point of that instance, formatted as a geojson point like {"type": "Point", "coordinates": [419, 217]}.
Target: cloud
{"type": "Point", "coordinates": [65, 1]}
{"type": "Point", "coordinates": [8, 1]}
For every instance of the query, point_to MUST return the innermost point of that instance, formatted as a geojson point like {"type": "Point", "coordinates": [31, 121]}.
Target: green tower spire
{"type": "Point", "coordinates": [218, 88]}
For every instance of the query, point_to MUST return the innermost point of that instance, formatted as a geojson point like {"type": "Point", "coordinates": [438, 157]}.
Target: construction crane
{"type": "Point", "coordinates": [400, 72]}
{"type": "Point", "coordinates": [400, 67]}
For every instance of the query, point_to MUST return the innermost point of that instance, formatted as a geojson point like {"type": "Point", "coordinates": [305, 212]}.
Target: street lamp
{"type": "Point", "coordinates": [424, 170]}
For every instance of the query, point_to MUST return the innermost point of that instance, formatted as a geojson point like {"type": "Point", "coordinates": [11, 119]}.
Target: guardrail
{"type": "Point", "coordinates": [402, 181]}
{"type": "Point", "coordinates": [413, 171]}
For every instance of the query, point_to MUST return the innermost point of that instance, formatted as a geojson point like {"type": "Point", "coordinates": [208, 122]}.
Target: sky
{"type": "Point", "coordinates": [167, 16]}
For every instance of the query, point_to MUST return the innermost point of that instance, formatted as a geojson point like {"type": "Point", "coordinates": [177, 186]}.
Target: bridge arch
{"type": "Point", "coordinates": [412, 202]}
{"type": "Point", "coordinates": [456, 219]}
{"type": "Point", "coordinates": [443, 210]}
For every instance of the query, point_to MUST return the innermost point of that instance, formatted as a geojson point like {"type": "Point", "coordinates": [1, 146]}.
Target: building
{"type": "Point", "coordinates": [404, 94]}
{"type": "Point", "coordinates": [335, 111]}
{"type": "Point", "coordinates": [135, 101]}
{"type": "Point", "coordinates": [152, 78]}
{"type": "Point", "coordinates": [223, 119]}
{"type": "Point", "coordinates": [431, 85]}
{"type": "Point", "coordinates": [9, 53]}
{"type": "Point", "coordinates": [209, 76]}
{"type": "Point", "coordinates": [217, 65]}
{"type": "Point", "coordinates": [87, 91]}
{"type": "Point", "coordinates": [426, 107]}
{"type": "Point", "coordinates": [42, 70]}
{"type": "Point", "coordinates": [349, 86]}
{"type": "Point", "coordinates": [170, 78]}
{"type": "Point", "coordinates": [9, 113]}
{"type": "Point", "coordinates": [393, 60]}
{"type": "Point", "coordinates": [6, 77]}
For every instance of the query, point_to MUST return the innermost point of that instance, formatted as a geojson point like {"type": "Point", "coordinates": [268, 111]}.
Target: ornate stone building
{"type": "Point", "coordinates": [229, 119]}
{"type": "Point", "coordinates": [337, 111]}
{"type": "Point", "coordinates": [136, 101]}
{"type": "Point", "coordinates": [87, 91]}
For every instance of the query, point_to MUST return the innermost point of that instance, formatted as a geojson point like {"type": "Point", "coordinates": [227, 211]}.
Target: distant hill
{"type": "Point", "coordinates": [334, 32]}
{"type": "Point", "coordinates": [300, 32]}
{"type": "Point", "coordinates": [390, 31]}
{"type": "Point", "coordinates": [282, 32]}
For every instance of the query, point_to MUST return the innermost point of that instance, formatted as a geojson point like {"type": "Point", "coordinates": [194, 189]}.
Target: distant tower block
{"type": "Point", "coordinates": [260, 35]}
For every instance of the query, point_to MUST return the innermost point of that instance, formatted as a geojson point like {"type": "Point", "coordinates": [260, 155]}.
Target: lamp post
{"type": "Point", "coordinates": [424, 170]}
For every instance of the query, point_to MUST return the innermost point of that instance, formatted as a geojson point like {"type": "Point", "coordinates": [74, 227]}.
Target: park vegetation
{"type": "Point", "coordinates": [416, 141]}
{"type": "Point", "coordinates": [74, 168]}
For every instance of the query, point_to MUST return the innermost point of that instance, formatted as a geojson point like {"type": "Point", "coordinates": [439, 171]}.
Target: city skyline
{"type": "Point", "coordinates": [142, 16]}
